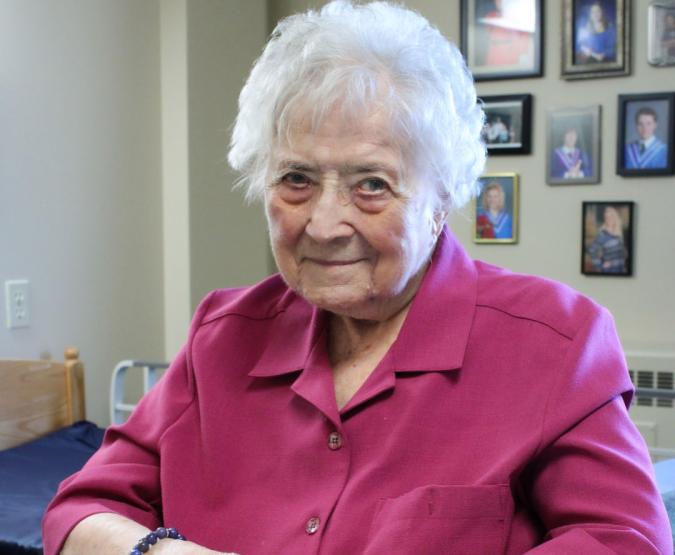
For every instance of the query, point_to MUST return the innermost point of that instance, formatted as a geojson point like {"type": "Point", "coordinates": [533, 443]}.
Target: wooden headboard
{"type": "Point", "coordinates": [39, 396]}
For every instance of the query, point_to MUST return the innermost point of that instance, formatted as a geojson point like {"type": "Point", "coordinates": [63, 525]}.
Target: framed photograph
{"type": "Point", "coordinates": [607, 244]}
{"type": "Point", "coordinates": [596, 38]}
{"type": "Point", "coordinates": [496, 209]}
{"type": "Point", "coordinates": [502, 39]}
{"type": "Point", "coordinates": [645, 138]}
{"type": "Point", "coordinates": [508, 123]}
{"type": "Point", "coordinates": [661, 33]}
{"type": "Point", "coordinates": [573, 145]}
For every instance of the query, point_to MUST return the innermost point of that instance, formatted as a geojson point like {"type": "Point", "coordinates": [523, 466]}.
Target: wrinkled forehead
{"type": "Point", "coordinates": [338, 120]}
{"type": "Point", "coordinates": [304, 117]}
{"type": "Point", "coordinates": [344, 130]}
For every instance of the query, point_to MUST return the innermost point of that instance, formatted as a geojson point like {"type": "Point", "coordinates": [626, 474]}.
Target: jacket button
{"type": "Point", "coordinates": [334, 441]}
{"type": "Point", "coordinates": [312, 525]}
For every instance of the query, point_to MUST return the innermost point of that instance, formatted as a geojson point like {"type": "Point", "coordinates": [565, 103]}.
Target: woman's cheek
{"type": "Point", "coordinates": [286, 221]}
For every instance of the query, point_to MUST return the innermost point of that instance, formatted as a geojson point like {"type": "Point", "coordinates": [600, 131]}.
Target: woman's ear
{"type": "Point", "coordinates": [439, 219]}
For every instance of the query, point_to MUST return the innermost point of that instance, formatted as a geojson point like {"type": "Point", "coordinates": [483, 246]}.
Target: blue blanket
{"type": "Point", "coordinates": [29, 477]}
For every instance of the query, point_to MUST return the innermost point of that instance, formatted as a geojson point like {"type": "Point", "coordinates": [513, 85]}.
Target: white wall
{"type": "Point", "coordinates": [80, 181]}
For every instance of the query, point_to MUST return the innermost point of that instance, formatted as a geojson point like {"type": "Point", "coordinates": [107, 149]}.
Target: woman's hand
{"type": "Point", "coordinates": [112, 534]}
{"type": "Point", "coordinates": [177, 547]}
{"type": "Point", "coordinates": [575, 171]}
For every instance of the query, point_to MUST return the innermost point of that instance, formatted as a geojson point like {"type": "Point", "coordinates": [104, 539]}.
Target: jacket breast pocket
{"type": "Point", "coordinates": [430, 520]}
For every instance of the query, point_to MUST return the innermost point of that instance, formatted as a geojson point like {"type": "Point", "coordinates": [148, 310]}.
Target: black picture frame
{"type": "Point", "coordinates": [607, 229]}
{"type": "Point", "coordinates": [596, 38]}
{"type": "Point", "coordinates": [508, 123]}
{"type": "Point", "coordinates": [649, 120]}
{"type": "Point", "coordinates": [502, 44]}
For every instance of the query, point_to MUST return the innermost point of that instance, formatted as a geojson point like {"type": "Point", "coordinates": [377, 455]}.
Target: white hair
{"type": "Point", "coordinates": [362, 58]}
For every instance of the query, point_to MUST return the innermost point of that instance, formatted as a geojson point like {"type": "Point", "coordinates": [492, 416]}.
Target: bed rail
{"type": "Point", "coordinates": [119, 409]}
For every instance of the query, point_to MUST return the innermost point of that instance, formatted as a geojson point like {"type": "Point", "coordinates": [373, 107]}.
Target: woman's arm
{"type": "Point", "coordinates": [123, 477]}
{"type": "Point", "coordinates": [105, 534]}
{"type": "Point", "coordinates": [591, 483]}
{"type": "Point", "coordinates": [111, 534]}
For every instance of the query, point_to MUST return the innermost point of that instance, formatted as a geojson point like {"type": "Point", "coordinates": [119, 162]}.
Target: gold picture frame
{"type": "Point", "coordinates": [495, 209]}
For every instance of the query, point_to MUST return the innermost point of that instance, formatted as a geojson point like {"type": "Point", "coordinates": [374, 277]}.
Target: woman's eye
{"type": "Point", "coordinates": [373, 186]}
{"type": "Point", "coordinates": [295, 179]}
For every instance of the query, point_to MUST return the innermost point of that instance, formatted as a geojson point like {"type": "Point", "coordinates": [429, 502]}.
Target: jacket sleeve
{"type": "Point", "coordinates": [592, 481]}
{"type": "Point", "coordinates": [123, 476]}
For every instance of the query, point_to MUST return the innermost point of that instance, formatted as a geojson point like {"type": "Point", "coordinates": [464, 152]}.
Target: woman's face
{"type": "Point", "coordinates": [596, 13]}
{"type": "Point", "coordinates": [570, 138]}
{"type": "Point", "coordinates": [493, 200]}
{"type": "Point", "coordinates": [347, 233]}
{"type": "Point", "coordinates": [610, 217]}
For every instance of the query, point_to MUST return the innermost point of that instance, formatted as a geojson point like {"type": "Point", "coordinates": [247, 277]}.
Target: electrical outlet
{"type": "Point", "coordinates": [17, 301]}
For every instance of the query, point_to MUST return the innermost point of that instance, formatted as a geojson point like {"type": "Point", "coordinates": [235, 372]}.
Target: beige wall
{"type": "Point", "coordinates": [228, 240]}
{"type": "Point", "coordinates": [550, 235]}
{"type": "Point", "coordinates": [643, 305]}
{"type": "Point", "coordinates": [211, 239]}
{"type": "Point", "coordinates": [175, 173]}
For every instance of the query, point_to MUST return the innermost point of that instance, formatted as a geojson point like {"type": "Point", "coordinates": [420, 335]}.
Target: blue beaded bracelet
{"type": "Point", "coordinates": [146, 542]}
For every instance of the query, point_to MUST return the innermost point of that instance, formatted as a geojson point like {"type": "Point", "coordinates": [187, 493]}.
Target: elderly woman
{"type": "Point", "coordinates": [384, 393]}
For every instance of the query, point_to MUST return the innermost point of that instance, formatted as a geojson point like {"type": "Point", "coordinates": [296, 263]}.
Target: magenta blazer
{"type": "Point", "coordinates": [496, 423]}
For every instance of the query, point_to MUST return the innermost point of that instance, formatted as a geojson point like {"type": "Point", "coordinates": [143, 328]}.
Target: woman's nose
{"type": "Point", "coordinates": [330, 215]}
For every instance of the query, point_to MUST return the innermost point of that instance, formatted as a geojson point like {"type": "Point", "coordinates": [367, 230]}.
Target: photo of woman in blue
{"type": "Point", "coordinates": [494, 219]}
{"type": "Point", "coordinates": [595, 32]}
{"type": "Point", "coordinates": [569, 160]}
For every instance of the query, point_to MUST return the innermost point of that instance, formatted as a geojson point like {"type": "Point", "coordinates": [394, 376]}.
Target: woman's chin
{"type": "Point", "coordinates": [350, 301]}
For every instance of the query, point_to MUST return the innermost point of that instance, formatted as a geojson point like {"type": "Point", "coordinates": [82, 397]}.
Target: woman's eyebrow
{"type": "Point", "coordinates": [345, 169]}
{"type": "Point", "coordinates": [366, 168]}
{"type": "Point", "coordinates": [296, 166]}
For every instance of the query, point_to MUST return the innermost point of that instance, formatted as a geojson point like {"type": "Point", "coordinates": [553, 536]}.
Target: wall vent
{"type": "Point", "coordinates": [653, 371]}
{"type": "Point", "coordinates": [650, 379]}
